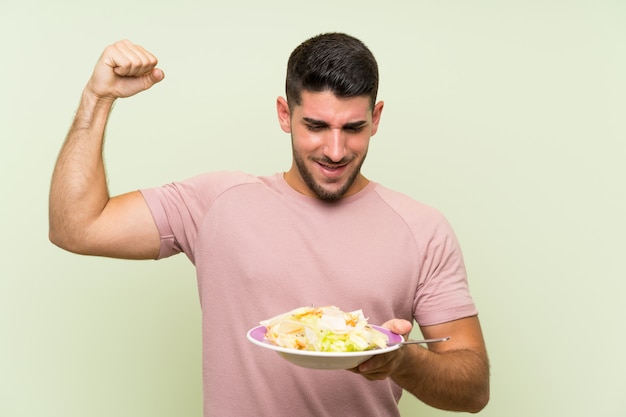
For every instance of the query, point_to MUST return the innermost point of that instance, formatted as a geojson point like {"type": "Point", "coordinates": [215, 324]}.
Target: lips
{"type": "Point", "coordinates": [332, 171]}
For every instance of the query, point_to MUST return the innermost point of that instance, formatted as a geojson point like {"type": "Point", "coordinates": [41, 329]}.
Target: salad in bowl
{"type": "Point", "coordinates": [324, 337]}
{"type": "Point", "coordinates": [324, 329]}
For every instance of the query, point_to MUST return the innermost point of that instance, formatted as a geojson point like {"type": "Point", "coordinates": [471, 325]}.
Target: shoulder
{"type": "Point", "coordinates": [424, 221]}
{"type": "Point", "coordinates": [406, 206]}
{"type": "Point", "coordinates": [198, 191]}
{"type": "Point", "coordinates": [213, 184]}
{"type": "Point", "coordinates": [222, 179]}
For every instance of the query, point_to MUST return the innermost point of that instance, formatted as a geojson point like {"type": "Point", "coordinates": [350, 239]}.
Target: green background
{"type": "Point", "coordinates": [506, 115]}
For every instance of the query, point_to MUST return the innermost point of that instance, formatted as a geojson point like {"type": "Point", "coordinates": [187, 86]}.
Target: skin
{"type": "Point", "coordinates": [452, 375]}
{"type": "Point", "coordinates": [330, 138]}
{"type": "Point", "coordinates": [83, 218]}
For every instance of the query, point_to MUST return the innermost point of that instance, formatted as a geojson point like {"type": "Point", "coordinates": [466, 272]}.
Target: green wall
{"type": "Point", "coordinates": [506, 115]}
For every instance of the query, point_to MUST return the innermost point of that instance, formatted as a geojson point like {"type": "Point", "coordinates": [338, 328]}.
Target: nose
{"type": "Point", "coordinates": [335, 146]}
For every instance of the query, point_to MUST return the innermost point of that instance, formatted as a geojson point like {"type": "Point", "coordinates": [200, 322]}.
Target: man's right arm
{"type": "Point", "coordinates": [83, 218]}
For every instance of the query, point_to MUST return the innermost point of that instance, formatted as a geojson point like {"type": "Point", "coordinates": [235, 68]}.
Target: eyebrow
{"type": "Point", "coordinates": [321, 123]}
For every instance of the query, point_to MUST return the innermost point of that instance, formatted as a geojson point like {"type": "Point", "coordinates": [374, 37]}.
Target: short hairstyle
{"type": "Point", "coordinates": [335, 62]}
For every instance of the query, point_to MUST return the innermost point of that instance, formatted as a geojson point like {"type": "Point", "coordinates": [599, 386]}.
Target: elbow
{"type": "Point", "coordinates": [55, 229]}
{"type": "Point", "coordinates": [479, 401]}
{"type": "Point", "coordinates": [54, 236]}
{"type": "Point", "coordinates": [481, 389]}
{"type": "Point", "coordinates": [60, 238]}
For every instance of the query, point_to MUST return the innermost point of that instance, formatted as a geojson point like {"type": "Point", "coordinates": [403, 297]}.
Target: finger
{"type": "Point", "coordinates": [372, 374]}
{"type": "Point", "coordinates": [133, 85]}
{"type": "Point", "coordinates": [152, 77]}
{"type": "Point", "coordinates": [130, 60]}
{"type": "Point", "coordinates": [376, 376]}
{"type": "Point", "coordinates": [377, 364]}
{"type": "Point", "coordinates": [369, 372]}
{"type": "Point", "coordinates": [399, 326]}
{"type": "Point", "coordinates": [145, 60]}
{"type": "Point", "coordinates": [156, 75]}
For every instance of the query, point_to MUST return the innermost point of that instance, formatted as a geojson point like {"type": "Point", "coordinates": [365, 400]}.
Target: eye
{"type": "Point", "coordinates": [315, 128]}
{"type": "Point", "coordinates": [354, 129]}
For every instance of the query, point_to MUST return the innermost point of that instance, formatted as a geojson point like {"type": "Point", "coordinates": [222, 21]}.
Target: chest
{"type": "Point", "coordinates": [358, 256]}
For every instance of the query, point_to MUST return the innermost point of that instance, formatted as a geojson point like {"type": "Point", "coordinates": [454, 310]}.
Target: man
{"type": "Point", "coordinates": [319, 234]}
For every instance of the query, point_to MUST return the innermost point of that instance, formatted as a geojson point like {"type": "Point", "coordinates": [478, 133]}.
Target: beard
{"type": "Point", "coordinates": [318, 189]}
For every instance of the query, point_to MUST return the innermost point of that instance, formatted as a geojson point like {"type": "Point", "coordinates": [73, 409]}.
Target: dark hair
{"type": "Point", "coordinates": [336, 62]}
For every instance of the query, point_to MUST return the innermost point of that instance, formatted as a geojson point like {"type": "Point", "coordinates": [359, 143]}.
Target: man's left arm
{"type": "Point", "coordinates": [451, 375]}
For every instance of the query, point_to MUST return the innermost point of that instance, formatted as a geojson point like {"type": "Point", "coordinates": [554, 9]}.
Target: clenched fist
{"type": "Point", "coordinates": [124, 69]}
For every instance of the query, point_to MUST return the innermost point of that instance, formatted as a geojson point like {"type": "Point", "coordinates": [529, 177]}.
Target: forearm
{"type": "Point", "coordinates": [78, 191]}
{"type": "Point", "coordinates": [455, 380]}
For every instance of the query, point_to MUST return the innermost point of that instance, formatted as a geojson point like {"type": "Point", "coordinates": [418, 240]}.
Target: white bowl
{"type": "Point", "coordinates": [324, 360]}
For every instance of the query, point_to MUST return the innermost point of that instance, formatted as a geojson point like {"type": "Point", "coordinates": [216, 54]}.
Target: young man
{"type": "Point", "coordinates": [319, 234]}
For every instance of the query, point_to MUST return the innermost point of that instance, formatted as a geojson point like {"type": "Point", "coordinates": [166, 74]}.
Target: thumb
{"type": "Point", "coordinates": [399, 326]}
{"type": "Point", "coordinates": [129, 86]}
{"type": "Point", "coordinates": [143, 82]}
{"type": "Point", "coordinates": [155, 76]}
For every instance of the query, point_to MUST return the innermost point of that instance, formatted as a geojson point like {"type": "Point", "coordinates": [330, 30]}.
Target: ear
{"type": "Point", "coordinates": [378, 109]}
{"type": "Point", "coordinates": [284, 115]}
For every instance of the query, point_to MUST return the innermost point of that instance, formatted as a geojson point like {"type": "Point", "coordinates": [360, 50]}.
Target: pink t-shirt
{"type": "Point", "coordinates": [260, 249]}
